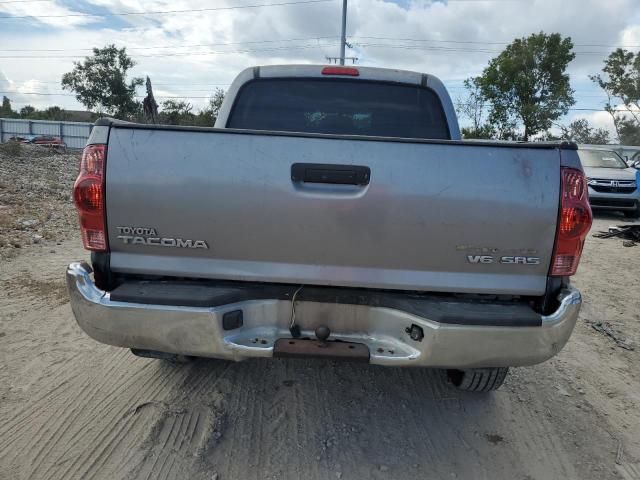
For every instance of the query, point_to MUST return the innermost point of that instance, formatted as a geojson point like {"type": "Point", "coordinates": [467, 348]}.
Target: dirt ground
{"type": "Point", "coordinates": [71, 408]}
{"type": "Point", "coordinates": [35, 196]}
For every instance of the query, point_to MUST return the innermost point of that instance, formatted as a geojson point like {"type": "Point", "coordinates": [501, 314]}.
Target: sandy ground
{"type": "Point", "coordinates": [71, 408]}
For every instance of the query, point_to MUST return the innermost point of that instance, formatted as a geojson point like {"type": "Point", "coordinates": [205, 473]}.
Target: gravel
{"type": "Point", "coordinates": [35, 196]}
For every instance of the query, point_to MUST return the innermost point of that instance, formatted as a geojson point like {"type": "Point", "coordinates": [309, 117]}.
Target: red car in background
{"type": "Point", "coordinates": [42, 140]}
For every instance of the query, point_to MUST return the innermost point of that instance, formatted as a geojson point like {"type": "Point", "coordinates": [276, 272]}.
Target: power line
{"type": "Point", "coordinates": [177, 82]}
{"type": "Point", "coordinates": [481, 42]}
{"type": "Point", "coordinates": [164, 12]}
{"type": "Point", "coordinates": [432, 49]}
{"type": "Point", "coordinates": [186, 54]}
{"type": "Point", "coordinates": [329, 37]}
{"type": "Point", "coordinates": [46, 94]}
{"type": "Point", "coordinates": [308, 39]}
{"type": "Point", "coordinates": [447, 49]}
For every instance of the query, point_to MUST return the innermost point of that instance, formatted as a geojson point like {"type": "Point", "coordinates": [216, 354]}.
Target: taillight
{"type": "Point", "coordinates": [574, 222]}
{"type": "Point", "coordinates": [88, 196]}
{"type": "Point", "coordinates": [347, 71]}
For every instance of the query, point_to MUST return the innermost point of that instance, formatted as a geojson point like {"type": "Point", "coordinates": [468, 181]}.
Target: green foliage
{"type": "Point", "coordinates": [620, 80]}
{"type": "Point", "coordinates": [50, 113]}
{"type": "Point", "coordinates": [580, 131]}
{"type": "Point", "coordinates": [6, 111]}
{"type": "Point", "coordinates": [100, 82]}
{"type": "Point", "coordinates": [484, 132]}
{"type": "Point", "coordinates": [213, 108]}
{"type": "Point", "coordinates": [527, 84]}
{"type": "Point", "coordinates": [473, 108]}
{"type": "Point", "coordinates": [628, 132]}
{"type": "Point", "coordinates": [27, 111]}
{"type": "Point", "coordinates": [176, 112]}
{"type": "Point", "coordinates": [622, 76]}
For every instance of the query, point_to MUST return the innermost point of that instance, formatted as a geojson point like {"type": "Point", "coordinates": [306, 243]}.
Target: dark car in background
{"type": "Point", "coordinates": [613, 185]}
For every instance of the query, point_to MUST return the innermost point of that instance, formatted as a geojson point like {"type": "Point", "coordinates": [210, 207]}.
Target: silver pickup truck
{"type": "Point", "coordinates": [332, 212]}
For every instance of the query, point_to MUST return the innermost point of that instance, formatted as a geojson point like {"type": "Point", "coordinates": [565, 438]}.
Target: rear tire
{"type": "Point", "coordinates": [480, 380]}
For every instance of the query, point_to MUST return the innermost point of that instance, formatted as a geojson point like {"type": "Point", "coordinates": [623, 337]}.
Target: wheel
{"type": "Point", "coordinates": [167, 357]}
{"type": "Point", "coordinates": [632, 213]}
{"type": "Point", "coordinates": [478, 379]}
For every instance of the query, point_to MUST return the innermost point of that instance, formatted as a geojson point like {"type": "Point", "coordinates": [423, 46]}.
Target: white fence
{"type": "Point", "coordinates": [74, 134]}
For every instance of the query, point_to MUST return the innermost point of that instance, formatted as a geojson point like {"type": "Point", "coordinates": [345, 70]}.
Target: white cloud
{"type": "Point", "coordinates": [57, 15]}
{"type": "Point", "coordinates": [631, 36]}
{"type": "Point", "coordinates": [597, 120]}
{"type": "Point", "coordinates": [602, 119]}
{"type": "Point", "coordinates": [588, 22]}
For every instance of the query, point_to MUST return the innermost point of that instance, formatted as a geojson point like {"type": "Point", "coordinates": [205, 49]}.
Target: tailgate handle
{"type": "Point", "coordinates": [330, 173]}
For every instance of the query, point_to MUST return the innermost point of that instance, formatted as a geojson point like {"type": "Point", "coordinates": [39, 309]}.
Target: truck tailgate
{"type": "Point", "coordinates": [222, 204]}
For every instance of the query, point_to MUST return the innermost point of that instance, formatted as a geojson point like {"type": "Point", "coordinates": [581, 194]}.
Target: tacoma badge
{"type": "Point", "coordinates": [149, 236]}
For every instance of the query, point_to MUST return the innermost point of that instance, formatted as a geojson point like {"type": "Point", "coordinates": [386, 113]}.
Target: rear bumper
{"type": "Point", "coordinates": [198, 331]}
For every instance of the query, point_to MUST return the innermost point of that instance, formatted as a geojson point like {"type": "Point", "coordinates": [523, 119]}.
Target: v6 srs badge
{"type": "Point", "coordinates": [514, 260]}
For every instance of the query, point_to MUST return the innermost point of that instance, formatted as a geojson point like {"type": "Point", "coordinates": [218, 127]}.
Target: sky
{"type": "Point", "coordinates": [190, 47]}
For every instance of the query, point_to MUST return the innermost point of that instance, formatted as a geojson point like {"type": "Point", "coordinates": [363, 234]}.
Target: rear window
{"type": "Point", "coordinates": [339, 106]}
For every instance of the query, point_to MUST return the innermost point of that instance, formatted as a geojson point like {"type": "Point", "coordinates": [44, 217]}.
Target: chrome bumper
{"type": "Point", "coordinates": [198, 331]}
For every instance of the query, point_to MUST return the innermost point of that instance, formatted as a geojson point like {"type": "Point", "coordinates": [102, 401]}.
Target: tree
{"type": "Point", "coordinates": [215, 103]}
{"type": "Point", "coordinates": [527, 83]}
{"type": "Point", "coordinates": [27, 111]}
{"type": "Point", "coordinates": [484, 132]}
{"type": "Point", "coordinates": [53, 113]}
{"type": "Point", "coordinates": [628, 132]}
{"type": "Point", "coordinates": [473, 108]}
{"type": "Point", "coordinates": [176, 112]}
{"type": "Point", "coordinates": [100, 82]}
{"type": "Point", "coordinates": [6, 110]}
{"type": "Point", "coordinates": [580, 131]}
{"type": "Point", "coordinates": [207, 117]}
{"type": "Point", "coordinates": [50, 113]}
{"type": "Point", "coordinates": [620, 79]}
{"type": "Point", "coordinates": [180, 112]}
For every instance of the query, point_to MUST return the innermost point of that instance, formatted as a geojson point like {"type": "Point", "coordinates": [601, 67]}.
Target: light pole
{"type": "Point", "coordinates": [343, 38]}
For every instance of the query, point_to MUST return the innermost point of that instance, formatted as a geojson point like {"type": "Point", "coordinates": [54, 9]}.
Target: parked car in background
{"type": "Point", "coordinates": [22, 138]}
{"type": "Point", "coordinates": [612, 183]}
{"type": "Point", "coordinates": [629, 153]}
{"type": "Point", "coordinates": [41, 140]}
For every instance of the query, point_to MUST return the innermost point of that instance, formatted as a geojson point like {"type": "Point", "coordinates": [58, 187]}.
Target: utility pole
{"type": "Point", "coordinates": [343, 38]}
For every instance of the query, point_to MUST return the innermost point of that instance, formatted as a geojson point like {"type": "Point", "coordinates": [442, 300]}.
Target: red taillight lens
{"type": "Point", "coordinates": [348, 71]}
{"type": "Point", "coordinates": [574, 223]}
{"type": "Point", "coordinates": [88, 196]}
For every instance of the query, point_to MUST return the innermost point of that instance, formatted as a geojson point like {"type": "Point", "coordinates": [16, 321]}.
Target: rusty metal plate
{"type": "Point", "coordinates": [332, 350]}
